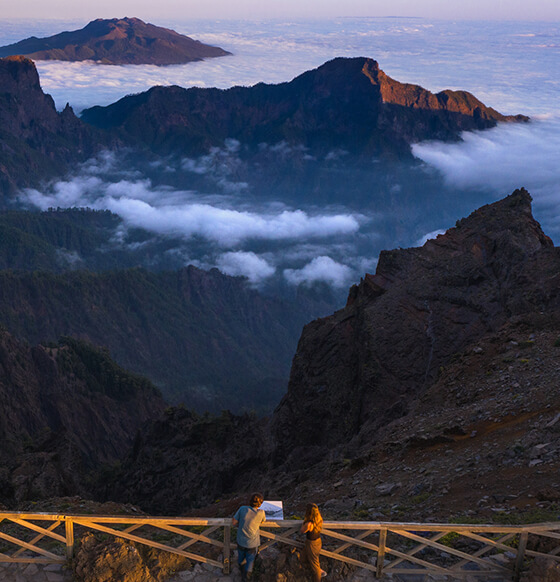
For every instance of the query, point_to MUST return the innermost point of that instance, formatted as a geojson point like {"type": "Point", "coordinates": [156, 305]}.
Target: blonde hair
{"type": "Point", "coordinates": [313, 515]}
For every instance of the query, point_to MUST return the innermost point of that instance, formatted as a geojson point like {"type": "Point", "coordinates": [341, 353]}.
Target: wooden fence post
{"type": "Point", "coordinates": [227, 549]}
{"type": "Point", "coordinates": [69, 538]}
{"type": "Point", "coordinates": [381, 551]}
{"type": "Point", "coordinates": [520, 555]}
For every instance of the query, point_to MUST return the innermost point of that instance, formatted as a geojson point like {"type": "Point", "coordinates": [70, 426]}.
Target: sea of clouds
{"type": "Point", "coordinates": [505, 158]}
{"type": "Point", "coordinates": [229, 225]}
{"type": "Point", "coordinates": [511, 66]}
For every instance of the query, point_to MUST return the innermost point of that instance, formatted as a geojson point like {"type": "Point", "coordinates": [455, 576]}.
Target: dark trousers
{"type": "Point", "coordinates": [246, 560]}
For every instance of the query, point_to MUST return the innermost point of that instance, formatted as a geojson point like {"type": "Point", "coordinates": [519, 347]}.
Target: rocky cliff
{"type": "Point", "coordinates": [36, 141]}
{"type": "Point", "coordinates": [124, 41]}
{"type": "Point", "coordinates": [364, 366]}
{"type": "Point", "coordinates": [183, 460]}
{"type": "Point", "coordinates": [66, 410]}
{"type": "Point", "coordinates": [345, 103]}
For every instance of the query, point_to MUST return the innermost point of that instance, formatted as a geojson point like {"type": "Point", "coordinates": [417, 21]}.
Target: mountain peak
{"type": "Point", "coordinates": [422, 307]}
{"type": "Point", "coordinates": [511, 216]}
{"type": "Point", "coordinates": [116, 41]}
{"type": "Point", "coordinates": [498, 236]}
{"type": "Point", "coordinates": [42, 142]}
{"type": "Point", "coordinates": [393, 92]}
{"type": "Point", "coordinates": [16, 68]}
{"type": "Point", "coordinates": [346, 103]}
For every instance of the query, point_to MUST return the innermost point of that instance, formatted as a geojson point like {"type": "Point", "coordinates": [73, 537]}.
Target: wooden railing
{"type": "Point", "coordinates": [381, 547]}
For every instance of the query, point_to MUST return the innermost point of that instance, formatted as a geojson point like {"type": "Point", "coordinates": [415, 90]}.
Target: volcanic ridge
{"type": "Point", "coordinates": [118, 41]}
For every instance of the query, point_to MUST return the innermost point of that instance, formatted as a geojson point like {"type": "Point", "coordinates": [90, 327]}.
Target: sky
{"type": "Point", "coordinates": [445, 9]}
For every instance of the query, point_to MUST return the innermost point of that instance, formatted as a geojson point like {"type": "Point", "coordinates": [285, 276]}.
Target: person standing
{"type": "Point", "coordinates": [248, 520]}
{"type": "Point", "coordinates": [311, 527]}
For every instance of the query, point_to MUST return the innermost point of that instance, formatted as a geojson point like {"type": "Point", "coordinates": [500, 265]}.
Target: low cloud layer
{"type": "Point", "coordinates": [257, 240]}
{"type": "Point", "coordinates": [491, 61]}
{"type": "Point", "coordinates": [509, 66]}
{"type": "Point", "coordinates": [245, 264]}
{"type": "Point", "coordinates": [430, 235]}
{"type": "Point", "coordinates": [321, 269]}
{"type": "Point", "coordinates": [179, 214]}
{"type": "Point", "coordinates": [503, 159]}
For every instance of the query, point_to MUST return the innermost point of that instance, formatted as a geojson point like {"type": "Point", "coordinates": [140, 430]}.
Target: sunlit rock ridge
{"type": "Point", "coordinates": [347, 103]}
{"type": "Point", "coordinates": [125, 41]}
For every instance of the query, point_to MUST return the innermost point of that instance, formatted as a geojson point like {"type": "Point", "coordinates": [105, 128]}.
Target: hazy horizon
{"type": "Point", "coordinates": [547, 10]}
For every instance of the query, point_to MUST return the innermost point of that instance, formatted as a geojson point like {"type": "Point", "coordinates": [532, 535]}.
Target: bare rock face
{"type": "Point", "coordinates": [364, 366]}
{"type": "Point", "coordinates": [183, 460]}
{"type": "Point", "coordinates": [345, 103]}
{"type": "Point", "coordinates": [542, 570]}
{"type": "Point", "coordinates": [118, 560]}
{"type": "Point", "coordinates": [112, 560]}
{"type": "Point", "coordinates": [23, 101]}
{"type": "Point", "coordinates": [36, 142]}
{"type": "Point", "coordinates": [116, 42]}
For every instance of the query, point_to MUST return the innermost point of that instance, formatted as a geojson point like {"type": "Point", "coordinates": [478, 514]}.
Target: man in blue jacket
{"type": "Point", "coordinates": [248, 520]}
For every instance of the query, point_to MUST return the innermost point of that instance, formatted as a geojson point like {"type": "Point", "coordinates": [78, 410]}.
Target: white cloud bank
{"type": "Point", "coordinates": [257, 240]}
{"type": "Point", "coordinates": [501, 62]}
{"type": "Point", "coordinates": [245, 264]}
{"type": "Point", "coordinates": [503, 159]}
{"type": "Point", "coordinates": [506, 156]}
{"type": "Point", "coordinates": [320, 269]}
{"type": "Point", "coordinates": [430, 235]}
{"type": "Point", "coordinates": [176, 213]}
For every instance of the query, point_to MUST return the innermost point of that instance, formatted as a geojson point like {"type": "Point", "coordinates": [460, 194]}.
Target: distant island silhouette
{"type": "Point", "coordinates": [126, 41]}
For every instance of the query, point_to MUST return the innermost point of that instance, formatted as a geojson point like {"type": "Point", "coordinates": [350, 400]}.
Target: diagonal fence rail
{"type": "Point", "coordinates": [452, 550]}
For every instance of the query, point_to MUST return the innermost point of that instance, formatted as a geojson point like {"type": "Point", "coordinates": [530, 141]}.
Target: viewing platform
{"type": "Point", "coordinates": [42, 543]}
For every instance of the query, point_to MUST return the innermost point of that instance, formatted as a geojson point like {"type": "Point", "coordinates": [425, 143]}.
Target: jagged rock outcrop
{"type": "Point", "coordinates": [345, 103]}
{"type": "Point", "coordinates": [364, 366]}
{"type": "Point", "coordinates": [118, 41]}
{"type": "Point", "coordinates": [66, 410]}
{"type": "Point", "coordinates": [183, 460]}
{"type": "Point", "coordinates": [36, 141]}
{"type": "Point", "coordinates": [542, 570]}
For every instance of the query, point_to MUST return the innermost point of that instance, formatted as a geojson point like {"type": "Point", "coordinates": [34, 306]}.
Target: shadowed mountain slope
{"type": "Point", "coordinates": [36, 141]}
{"type": "Point", "coordinates": [125, 41]}
{"type": "Point", "coordinates": [204, 338]}
{"type": "Point", "coordinates": [58, 240]}
{"type": "Point", "coordinates": [345, 103]}
{"type": "Point", "coordinates": [66, 409]}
